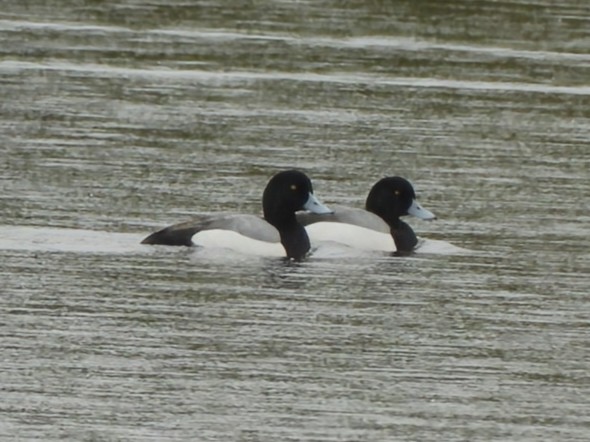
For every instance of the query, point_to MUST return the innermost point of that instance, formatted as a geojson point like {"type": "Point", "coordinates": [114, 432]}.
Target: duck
{"type": "Point", "coordinates": [378, 227]}
{"type": "Point", "coordinates": [276, 233]}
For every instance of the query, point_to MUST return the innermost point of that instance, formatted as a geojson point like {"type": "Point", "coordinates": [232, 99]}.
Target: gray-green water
{"type": "Point", "coordinates": [117, 118]}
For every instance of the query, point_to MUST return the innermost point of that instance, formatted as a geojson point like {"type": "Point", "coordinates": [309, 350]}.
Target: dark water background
{"type": "Point", "coordinates": [117, 118]}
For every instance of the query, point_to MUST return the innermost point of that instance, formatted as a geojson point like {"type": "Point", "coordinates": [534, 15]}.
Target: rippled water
{"type": "Point", "coordinates": [120, 118]}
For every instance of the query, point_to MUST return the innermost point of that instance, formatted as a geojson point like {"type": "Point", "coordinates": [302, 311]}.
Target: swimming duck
{"type": "Point", "coordinates": [277, 233]}
{"type": "Point", "coordinates": [378, 227]}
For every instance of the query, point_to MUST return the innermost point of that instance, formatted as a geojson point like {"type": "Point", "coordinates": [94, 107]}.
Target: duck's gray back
{"type": "Point", "coordinates": [251, 226]}
{"type": "Point", "coordinates": [347, 215]}
{"type": "Point", "coordinates": [248, 225]}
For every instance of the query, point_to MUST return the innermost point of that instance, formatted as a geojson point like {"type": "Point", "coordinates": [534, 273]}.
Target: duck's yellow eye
{"type": "Point", "coordinates": [293, 187]}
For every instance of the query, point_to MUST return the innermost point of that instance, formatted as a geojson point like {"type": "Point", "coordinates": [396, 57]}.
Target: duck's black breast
{"type": "Point", "coordinates": [295, 240]}
{"type": "Point", "coordinates": [404, 237]}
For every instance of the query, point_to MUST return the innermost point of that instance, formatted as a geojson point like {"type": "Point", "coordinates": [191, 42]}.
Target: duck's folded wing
{"type": "Point", "coordinates": [346, 215]}
{"type": "Point", "coordinates": [181, 234]}
{"type": "Point", "coordinates": [251, 226]}
{"type": "Point", "coordinates": [178, 234]}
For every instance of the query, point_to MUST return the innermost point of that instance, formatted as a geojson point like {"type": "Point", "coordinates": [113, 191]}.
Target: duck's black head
{"type": "Point", "coordinates": [391, 198]}
{"type": "Point", "coordinates": [286, 193]}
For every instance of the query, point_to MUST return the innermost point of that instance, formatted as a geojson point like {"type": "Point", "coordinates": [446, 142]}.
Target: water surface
{"type": "Point", "coordinates": [118, 119]}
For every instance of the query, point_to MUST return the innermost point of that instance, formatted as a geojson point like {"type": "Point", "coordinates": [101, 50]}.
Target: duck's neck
{"type": "Point", "coordinates": [293, 236]}
{"type": "Point", "coordinates": [404, 237]}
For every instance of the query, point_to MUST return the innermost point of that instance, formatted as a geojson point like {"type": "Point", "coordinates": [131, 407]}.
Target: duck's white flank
{"type": "Point", "coordinates": [228, 239]}
{"type": "Point", "coordinates": [350, 235]}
